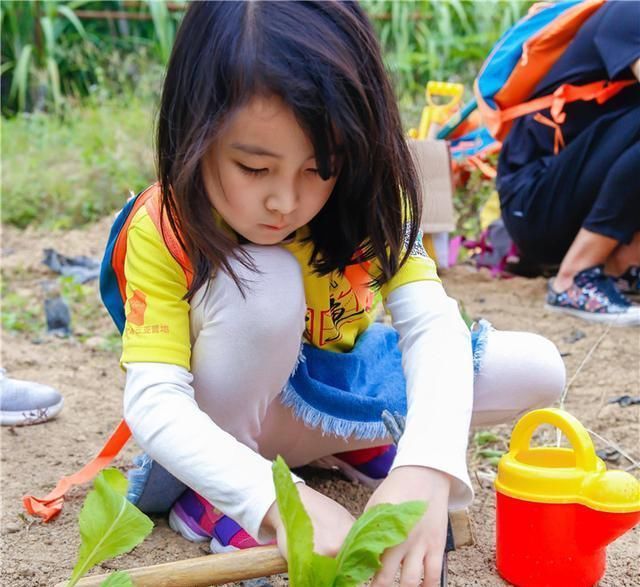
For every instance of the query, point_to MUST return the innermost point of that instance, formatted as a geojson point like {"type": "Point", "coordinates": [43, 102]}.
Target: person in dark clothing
{"type": "Point", "coordinates": [570, 193]}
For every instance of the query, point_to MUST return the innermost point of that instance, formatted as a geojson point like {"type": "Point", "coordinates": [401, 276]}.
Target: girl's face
{"type": "Point", "coordinates": [261, 173]}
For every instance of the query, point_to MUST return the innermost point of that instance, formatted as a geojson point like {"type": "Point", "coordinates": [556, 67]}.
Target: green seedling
{"type": "Point", "coordinates": [492, 456]}
{"type": "Point", "coordinates": [381, 527]}
{"type": "Point", "coordinates": [483, 437]}
{"type": "Point", "coordinates": [110, 525]}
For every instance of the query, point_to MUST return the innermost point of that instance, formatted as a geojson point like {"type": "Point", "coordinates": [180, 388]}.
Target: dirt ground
{"type": "Point", "coordinates": [33, 458]}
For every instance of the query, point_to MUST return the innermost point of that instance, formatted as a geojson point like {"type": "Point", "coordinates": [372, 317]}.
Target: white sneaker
{"type": "Point", "coordinates": [25, 402]}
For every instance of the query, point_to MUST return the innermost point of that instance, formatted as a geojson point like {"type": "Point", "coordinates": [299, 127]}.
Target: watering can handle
{"type": "Point", "coordinates": [574, 431]}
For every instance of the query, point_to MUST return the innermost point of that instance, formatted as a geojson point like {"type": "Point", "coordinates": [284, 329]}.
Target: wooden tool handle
{"type": "Point", "coordinates": [203, 571]}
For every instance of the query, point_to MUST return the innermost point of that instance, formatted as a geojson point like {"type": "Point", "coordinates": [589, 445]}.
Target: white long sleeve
{"type": "Point", "coordinates": [438, 366]}
{"type": "Point", "coordinates": [165, 420]}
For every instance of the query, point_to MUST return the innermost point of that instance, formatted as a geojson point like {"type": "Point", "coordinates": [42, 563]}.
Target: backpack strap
{"type": "Point", "coordinates": [49, 506]}
{"type": "Point", "coordinates": [600, 91]}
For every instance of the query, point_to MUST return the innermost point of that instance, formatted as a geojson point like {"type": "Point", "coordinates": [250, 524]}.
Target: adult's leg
{"type": "Point", "coordinates": [624, 257]}
{"type": "Point", "coordinates": [613, 219]}
{"type": "Point", "coordinates": [586, 184]}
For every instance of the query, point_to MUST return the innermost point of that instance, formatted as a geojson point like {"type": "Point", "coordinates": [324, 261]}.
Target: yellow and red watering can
{"type": "Point", "coordinates": [558, 508]}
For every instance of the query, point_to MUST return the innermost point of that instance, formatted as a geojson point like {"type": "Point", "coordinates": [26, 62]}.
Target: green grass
{"type": "Point", "coordinates": [20, 314]}
{"type": "Point", "coordinates": [62, 173]}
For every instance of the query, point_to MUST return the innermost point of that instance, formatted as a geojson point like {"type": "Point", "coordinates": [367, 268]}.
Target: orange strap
{"type": "Point", "coordinates": [599, 91]}
{"type": "Point", "coordinates": [49, 507]}
{"type": "Point", "coordinates": [558, 138]}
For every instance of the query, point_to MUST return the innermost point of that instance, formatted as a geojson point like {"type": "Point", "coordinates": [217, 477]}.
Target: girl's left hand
{"type": "Point", "coordinates": [421, 553]}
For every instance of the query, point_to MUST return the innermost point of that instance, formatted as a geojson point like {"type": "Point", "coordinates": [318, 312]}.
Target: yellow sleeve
{"type": "Point", "coordinates": [418, 267]}
{"type": "Point", "coordinates": [157, 316]}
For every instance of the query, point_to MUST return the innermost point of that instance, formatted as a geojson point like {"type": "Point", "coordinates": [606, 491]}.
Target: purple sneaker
{"type": "Point", "coordinates": [197, 520]}
{"type": "Point", "coordinates": [368, 466]}
{"type": "Point", "coordinates": [594, 296]}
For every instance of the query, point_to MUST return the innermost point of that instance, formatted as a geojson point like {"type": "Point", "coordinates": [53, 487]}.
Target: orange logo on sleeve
{"type": "Point", "coordinates": [137, 307]}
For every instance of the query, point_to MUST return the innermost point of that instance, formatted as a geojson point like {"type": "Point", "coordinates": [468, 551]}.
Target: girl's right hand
{"type": "Point", "coordinates": [331, 522]}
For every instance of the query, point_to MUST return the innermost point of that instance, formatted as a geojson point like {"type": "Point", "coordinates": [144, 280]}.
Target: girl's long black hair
{"type": "Point", "coordinates": [323, 60]}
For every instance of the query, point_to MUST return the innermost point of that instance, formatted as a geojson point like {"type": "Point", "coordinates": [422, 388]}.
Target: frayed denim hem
{"type": "Point", "coordinates": [151, 487]}
{"type": "Point", "coordinates": [330, 425]}
{"type": "Point", "coordinates": [479, 333]}
{"type": "Point", "coordinates": [138, 477]}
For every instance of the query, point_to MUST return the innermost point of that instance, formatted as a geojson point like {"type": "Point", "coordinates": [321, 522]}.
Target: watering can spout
{"type": "Point", "coordinates": [618, 494]}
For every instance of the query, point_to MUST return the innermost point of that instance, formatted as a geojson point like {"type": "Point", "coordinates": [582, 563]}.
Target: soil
{"type": "Point", "coordinates": [35, 457]}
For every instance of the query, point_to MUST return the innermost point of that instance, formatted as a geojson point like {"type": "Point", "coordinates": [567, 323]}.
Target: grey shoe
{"type": "Point", "coordinates": [26, 402]}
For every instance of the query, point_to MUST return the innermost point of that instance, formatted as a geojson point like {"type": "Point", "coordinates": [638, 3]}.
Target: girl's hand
{"type": "Point", "coordinates": [421, 553]}
{"type": "Point", "coordinates": [331, 522]}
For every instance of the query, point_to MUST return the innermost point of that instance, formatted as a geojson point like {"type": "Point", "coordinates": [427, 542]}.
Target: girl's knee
{"type": "Point", "coordinates": [546, 371]}
{"type": "Point", "coordinates": [520, 370]}
{"type": "Point", "coordinates": [268, 304]}
{"type": "Point", "coordinates": [274, 301]}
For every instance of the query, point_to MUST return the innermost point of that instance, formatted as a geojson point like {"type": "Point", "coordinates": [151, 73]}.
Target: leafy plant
{"type": "Point", "coordinates": [444, 40]}
{"type": "Point", "coordinates": [51, 50]}
{"type": "Point", "coordinates": [63, 174]}
{"type": "Point", "coordinates": [491, 446]}
{"type": "Point", "coordinates": [379, 528]}
{"type": "Point", "coordinates": [471, 194]}
{"type": "Point", "coordinates": [110, 525]}
{"type": "Point", "coordinates": [33, 36]}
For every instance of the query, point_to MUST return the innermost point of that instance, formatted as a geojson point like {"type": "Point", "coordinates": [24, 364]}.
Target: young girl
{"type": "Point", "coordinates": [286, 181]}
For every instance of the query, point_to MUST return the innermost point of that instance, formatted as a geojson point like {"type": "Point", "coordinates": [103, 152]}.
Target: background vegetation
{"type": "Point", "coordinates": [79, 91]}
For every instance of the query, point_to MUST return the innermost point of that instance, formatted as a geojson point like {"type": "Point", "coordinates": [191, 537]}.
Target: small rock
{"type": "Point", "coordinates": [575, 336]}
{"type": "Point", "coordinates": [81, 438]}
{"type": "Point", "coordinates": [610, 455]}
{"type": "Point", "coordinates": [12, 528]}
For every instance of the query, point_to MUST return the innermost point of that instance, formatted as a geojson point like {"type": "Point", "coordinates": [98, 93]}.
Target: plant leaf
{"type": "Point", "coordinates": [324, 570]}
{"type": "Point", "coordinates": [20, 81]}
{"type": "Point", "coordinates": [74, 20]}
{"type": "Point", "coordinates": [379, 528]}
{"type": "Point", "coordinates": [109, 525]}
{"type": "Point", "coordinates": [118, 579]}
{"type": "Point", "coordinates": [116, 480]}
{"type": "Point", "coordinates": [297, 524]}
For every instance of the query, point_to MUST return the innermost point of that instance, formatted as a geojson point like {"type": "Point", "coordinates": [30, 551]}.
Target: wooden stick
{"type": "Point", "coordinates": [239, 565]}
{"type": "Point", "coordinates": [215, 569]}
{"type": "Point", "coordinates": [461, 528]}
